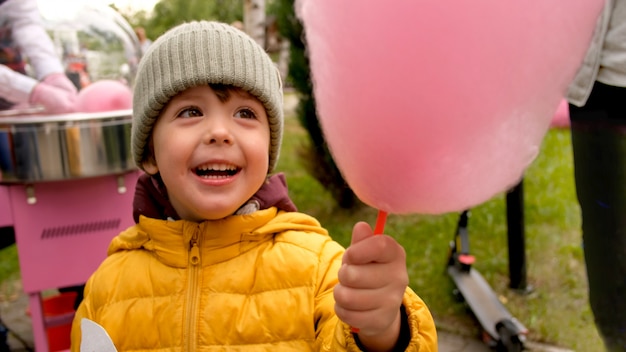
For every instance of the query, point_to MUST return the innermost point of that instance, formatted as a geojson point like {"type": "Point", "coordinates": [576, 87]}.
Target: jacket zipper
{"type": "Point", "coordinates": [192, 296]}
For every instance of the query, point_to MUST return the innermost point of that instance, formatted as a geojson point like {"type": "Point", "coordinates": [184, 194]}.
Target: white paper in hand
{"type": "Point", "coordinates": [94, 338]}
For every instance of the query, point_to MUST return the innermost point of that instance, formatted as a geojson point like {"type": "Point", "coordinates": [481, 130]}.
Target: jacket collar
{"type": "Point", "coordinates": [218, 240]}
{"type": "Point", "coordinates": [151, 198]}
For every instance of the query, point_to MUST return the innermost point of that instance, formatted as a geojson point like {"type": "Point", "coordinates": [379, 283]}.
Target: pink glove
{"type": "Point", "coordinates": [61, 81]}
{"type": "Point", "coordinates": [53, 99]}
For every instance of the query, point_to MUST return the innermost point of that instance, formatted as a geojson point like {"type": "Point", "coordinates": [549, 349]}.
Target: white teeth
{"type": "Point", "coordinates": [217, 167]}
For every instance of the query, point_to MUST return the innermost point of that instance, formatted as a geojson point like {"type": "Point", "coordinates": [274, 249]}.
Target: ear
{"type": "Point", "coordinates": [150, 166]}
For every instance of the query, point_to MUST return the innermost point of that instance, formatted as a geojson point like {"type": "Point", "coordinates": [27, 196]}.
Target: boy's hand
{"type": "Point", "coordinates": [372, 282]}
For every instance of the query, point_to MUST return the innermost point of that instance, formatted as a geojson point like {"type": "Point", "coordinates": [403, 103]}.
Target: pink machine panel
{"type": "Point", "coordinates": [62, 232]}
{"type": "Point", "coordinates": [63, 228]}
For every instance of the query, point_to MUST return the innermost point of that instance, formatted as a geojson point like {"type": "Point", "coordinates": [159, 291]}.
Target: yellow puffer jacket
{"type": "Point", "coordinates": [260, 282]}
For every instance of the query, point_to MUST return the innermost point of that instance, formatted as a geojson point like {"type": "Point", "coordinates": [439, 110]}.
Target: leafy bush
{"type": "Point", "coordinates": [315, 156]}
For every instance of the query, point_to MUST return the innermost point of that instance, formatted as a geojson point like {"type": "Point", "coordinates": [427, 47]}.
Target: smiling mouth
{"type": "Point", "coordinates": [217, 170]}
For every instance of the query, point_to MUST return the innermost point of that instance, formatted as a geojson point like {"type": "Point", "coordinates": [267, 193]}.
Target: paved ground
{"type": "Point", "coordinates": [13, 312]}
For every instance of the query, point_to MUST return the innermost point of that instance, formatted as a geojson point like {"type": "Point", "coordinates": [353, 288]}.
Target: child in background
{"type": "Point", "coordinates": [219, 257]}
{"type": "Point", "coordinates": [144, 41]}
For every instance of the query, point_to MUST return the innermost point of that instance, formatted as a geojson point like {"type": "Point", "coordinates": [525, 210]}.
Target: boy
{"type": "Point", "coordinates": [220, 258]}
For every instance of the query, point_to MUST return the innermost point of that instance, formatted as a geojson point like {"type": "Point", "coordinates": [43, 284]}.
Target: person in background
{"type": "Point", "coordinates": [220, 257]}
{"type": "Point", "coordinates": [23, 40]}
{"type": "Point", "coordinates": [597, 106]}
{"type": "Point", "coordinates": [144, 41]}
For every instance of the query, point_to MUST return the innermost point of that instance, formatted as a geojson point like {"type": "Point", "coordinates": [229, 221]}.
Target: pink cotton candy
{"type": "Point", "coordinates": [104, 95]}
{"type": "Point", "coordinates": [561, 117]}
{"type": "Point", "coordinates": [436, 106]}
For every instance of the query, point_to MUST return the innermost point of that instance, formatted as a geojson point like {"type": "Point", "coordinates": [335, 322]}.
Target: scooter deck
{"type": "Point", "coordinates": [483, 302]}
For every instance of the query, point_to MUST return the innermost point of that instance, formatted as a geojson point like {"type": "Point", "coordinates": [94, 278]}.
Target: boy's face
{"type": "Point", "coordinates": [212, 153]}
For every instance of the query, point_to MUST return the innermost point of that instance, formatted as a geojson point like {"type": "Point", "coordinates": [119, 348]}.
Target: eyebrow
{"type": "Point", "coordinates": [224, 92]}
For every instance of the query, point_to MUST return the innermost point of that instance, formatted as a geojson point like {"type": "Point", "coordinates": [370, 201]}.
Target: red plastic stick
{"type": "Point", "coordinates": [380, 222]}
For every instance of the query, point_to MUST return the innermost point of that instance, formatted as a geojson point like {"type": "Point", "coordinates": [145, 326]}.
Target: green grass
{"type": "Point", "coordinates": [9, 274]}
{"type": "Point", "coordinates": [556, 312]}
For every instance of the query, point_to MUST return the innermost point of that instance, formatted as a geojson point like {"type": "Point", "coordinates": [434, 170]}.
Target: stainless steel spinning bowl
{"type": "Point", "coordinates": [61, 147]}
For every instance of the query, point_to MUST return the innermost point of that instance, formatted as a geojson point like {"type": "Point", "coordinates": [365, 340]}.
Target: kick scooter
{"type": "Point", "coordinates": [501, 331]}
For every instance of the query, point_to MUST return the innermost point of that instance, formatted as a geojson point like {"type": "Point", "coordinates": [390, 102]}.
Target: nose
{"type": "Point", "coordinates": [217, 131]}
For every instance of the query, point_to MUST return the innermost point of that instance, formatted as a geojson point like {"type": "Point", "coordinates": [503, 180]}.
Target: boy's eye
{"type": "Point", "coordinates": [245, 114]}
{"type": "Point", "coordinates": [190, 112]}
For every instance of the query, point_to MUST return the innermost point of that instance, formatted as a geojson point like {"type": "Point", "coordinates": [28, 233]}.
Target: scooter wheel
{"type": "Point", "coordinates": [458, 296]}
{"type": "Point", "coordinates": [509, 340]}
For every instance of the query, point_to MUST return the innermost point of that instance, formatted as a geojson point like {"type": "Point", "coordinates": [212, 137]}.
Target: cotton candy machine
{"type": "Point", "coordinates": [94, 42]}
{"type": "Point", "coordinates": [41, 148]}
{"type": "Point", "coordinates": [67, 181]}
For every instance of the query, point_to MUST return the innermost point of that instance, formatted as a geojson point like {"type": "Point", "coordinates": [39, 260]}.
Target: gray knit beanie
{"type": "Point", "coordinates": [200, 53]}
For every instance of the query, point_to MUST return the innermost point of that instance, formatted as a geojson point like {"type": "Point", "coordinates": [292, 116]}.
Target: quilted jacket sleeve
{"type": "Point", "coordinates": [83, 311]}
{"type": "Point", "coordinates": [423, 334]}
{"type": "Point", "coordinates": [325, 318]}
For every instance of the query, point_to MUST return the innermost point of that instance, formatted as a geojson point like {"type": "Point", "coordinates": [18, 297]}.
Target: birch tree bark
{"type": "Point", "coordinates": [254, 20]}
{"type": "Point", "coordinates": [283, 59]}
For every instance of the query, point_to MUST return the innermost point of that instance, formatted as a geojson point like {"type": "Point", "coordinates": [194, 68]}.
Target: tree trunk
{"type": "Point", "coordinates": [283, 59]}
{"type": "Point", "coordinates": [254, 20]}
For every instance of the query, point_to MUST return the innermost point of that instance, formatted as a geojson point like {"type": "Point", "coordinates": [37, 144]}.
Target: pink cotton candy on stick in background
{"type": "Point", "coordinates": [561, 116]}
{"type": "Point", "coordinates": [104, 95]}
{"type": "Point", "coordinates": [437, 106]}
